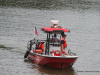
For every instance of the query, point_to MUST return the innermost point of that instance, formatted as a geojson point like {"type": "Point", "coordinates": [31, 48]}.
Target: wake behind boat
{"type": "Point", "coordinates": [47, 52]}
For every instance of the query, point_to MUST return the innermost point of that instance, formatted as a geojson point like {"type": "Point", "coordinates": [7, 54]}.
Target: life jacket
{"type": "Point", "coordinates": [37, 51]}
{"type": "Point", "coordinates": [65, 43]}
{"type": "Point", "coordinates": [40, 46]}
{"type": "Point", "coordinates": [43, 47]}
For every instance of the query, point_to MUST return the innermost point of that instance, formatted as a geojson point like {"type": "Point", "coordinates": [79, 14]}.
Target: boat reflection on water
{"type": "Point", "coordinates": [47, 70]}
{"type": "Point", "coordinates": [50, 71]}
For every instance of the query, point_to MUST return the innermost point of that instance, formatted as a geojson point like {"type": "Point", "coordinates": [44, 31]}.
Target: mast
{"type": "Point", "coordinates": [47, 44]}
{"type": "Point", "coordinates": [46, 49]}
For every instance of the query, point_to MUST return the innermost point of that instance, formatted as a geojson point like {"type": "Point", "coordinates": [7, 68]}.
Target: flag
{"type": "Point", "coordinates": [36, 32]}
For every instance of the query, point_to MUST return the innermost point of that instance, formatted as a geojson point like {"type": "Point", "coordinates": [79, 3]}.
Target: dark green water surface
{"type": "Point", "coordinates": [17, 21]}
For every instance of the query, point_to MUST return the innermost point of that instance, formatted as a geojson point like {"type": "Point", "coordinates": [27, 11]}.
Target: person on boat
{"type": "Point", "coordinates": [40, 48]}
{"type": "Point", "coordinates": [54, 26]}
{"type": "Point", "coordinates": [55, 38]}
{"type": "Point", "coordinates": [63, 43]}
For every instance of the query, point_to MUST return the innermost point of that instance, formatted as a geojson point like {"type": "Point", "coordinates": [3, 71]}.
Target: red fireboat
{"type": "Point", "coordinates": [47, 53]}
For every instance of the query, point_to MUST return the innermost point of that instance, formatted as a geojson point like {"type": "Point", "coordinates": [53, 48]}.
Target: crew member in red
{"type": "Point", "coordinates": [63, 43]}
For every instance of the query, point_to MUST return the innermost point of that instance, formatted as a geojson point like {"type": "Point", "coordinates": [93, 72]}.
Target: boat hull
{"type": "Point", "coordinates": [53, 61]}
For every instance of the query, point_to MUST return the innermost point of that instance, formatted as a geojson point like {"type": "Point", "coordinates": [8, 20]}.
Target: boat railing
{"type": "Point", "coordinates": [32, 42]}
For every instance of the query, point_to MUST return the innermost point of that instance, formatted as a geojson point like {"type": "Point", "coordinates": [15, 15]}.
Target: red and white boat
{"type": "Point", "coordinates": [47, 53]}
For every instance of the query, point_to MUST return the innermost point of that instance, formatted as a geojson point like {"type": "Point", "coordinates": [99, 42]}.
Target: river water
{"type": "Point", "coordinates": [17, 21]}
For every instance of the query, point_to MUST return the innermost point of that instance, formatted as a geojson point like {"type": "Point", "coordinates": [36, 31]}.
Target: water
{"type": "Point", "coordinates": [17, 21]}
